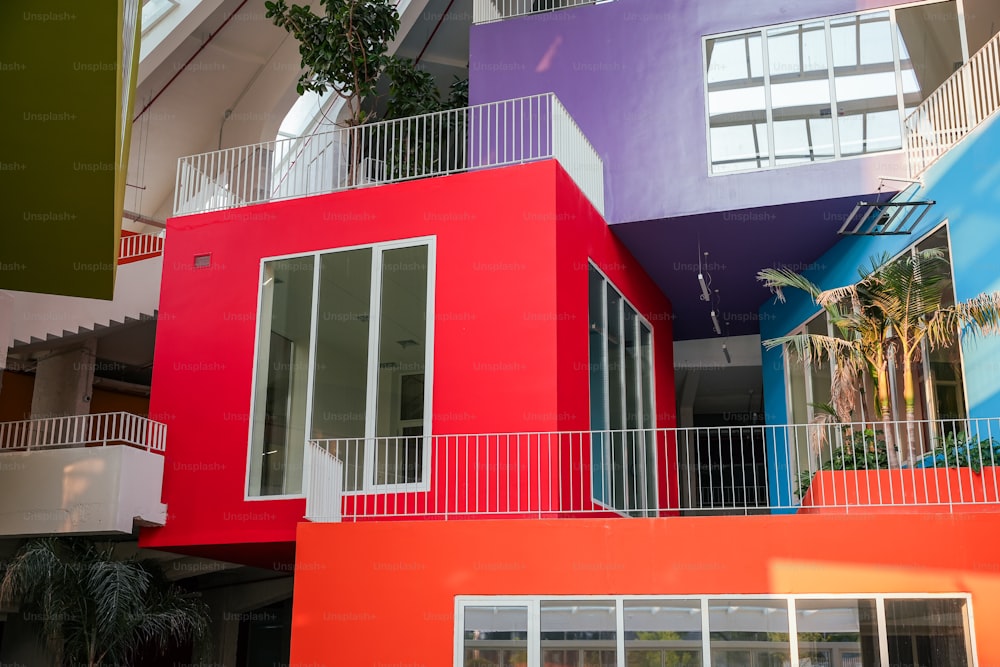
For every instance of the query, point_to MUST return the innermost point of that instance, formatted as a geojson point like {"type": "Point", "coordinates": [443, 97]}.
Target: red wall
{"type": "Point", "coordinates": [399, 581]}
{"type": "Point", "coordinates": [498, 362]}
{"type": "Point", "coordinates": [583, 236]}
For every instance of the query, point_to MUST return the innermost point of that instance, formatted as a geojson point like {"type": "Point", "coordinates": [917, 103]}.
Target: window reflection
{"type": "Point", "coordinates": [800, 93]}
{"type": "Point", "coordinates": [736, 103]}
{"type": "Point", "coordinates": [771, 103]}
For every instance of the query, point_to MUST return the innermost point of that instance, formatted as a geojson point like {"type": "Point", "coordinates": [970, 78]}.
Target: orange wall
{"type": "Point", "coordinates": [103, 400]}
{"type": "Point", "coordinates": [369, 594]}
{"type": "Point", "coordinates": [15, 396]}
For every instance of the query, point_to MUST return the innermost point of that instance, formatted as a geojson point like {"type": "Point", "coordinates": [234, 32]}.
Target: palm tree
{"type": "Point", "coordinates": [894, 308]}
{"type": "Point", "coordinates": [908, 294]}
{"type": "Point", "coordinates": [92, 609]}
{"type": "Point", "coordinates": [861, 347]}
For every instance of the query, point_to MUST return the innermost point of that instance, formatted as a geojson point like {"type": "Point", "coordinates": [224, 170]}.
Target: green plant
{"type": "Point", "coordinates": [860, 450]}
{"type": "Point", "coordinates": [887, 315]}
{"type": "Point", "coordinates": [962, 451]}
{"type": "Point", "coordinates": [344, 48]}
{"type": "Point", "coordinates": [93, 609]}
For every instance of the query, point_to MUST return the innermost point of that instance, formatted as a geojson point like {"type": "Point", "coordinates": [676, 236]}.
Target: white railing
{"type": "Point", "coordinates": [103, 429]}
{"type": "Point", "coordinates": [667, 472]}
{"type": "Point", "coordinates": [139, 245]}
{"type": "Point", "coordinates": [957, 107]}
{"type": "Point", "coordinates": [497, 134]}
{"type": "Point", "coordinates": [324, 484]}
{"type": "Point", "coordinates": [488, 11]}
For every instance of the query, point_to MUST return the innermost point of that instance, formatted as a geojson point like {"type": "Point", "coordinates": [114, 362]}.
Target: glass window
{"type": "Point", "coordinates": [368, 361]}
{"type": "Point", "coordinates": [743, 632]}
{"type": "Point", "coordinates": [736, 102]}
{"type": "Point", "coordinates": [578, 633]}
{"type": "Point", "coordinates": [621, 401]}
{"type": "Point", "coordinates": [495, 636]}
{"type": "Point", "coordinates": [735, 623]}
{"type": "Point", "coordinates": [837, 632]}
{"type": "Point", "coordinates": [800, 93]}
{"type": "Point", "coordinates": [929, 633]}
{"type": "Point", "coordinates": [662, 632]}
{"type": "Point", "coordinates": [280, 395]}
{"type": "Point", "coordinates": [788, 107]}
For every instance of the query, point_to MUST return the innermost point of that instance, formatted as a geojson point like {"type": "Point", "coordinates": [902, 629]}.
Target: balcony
{"type": "Point", "coordinates": [962, 103]}
{"type": "Point", "coordinates": [486, 136]}
{"type": "Point", "coordinates": [940, 466]}
{"type": "Point", "coordinates": [489, 11]}
{"type": "Point", "coordinates": [88, 474]}
{"type": "Point", "coordinates": [134, 247]}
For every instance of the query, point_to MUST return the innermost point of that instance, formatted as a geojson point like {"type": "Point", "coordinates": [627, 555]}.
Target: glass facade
{"type": "Point", "coordinates": [825, 89]}
{"type": "Point", "coordinates": [735, 631]}
{"type": "Point", "coordinates": [621, 400]}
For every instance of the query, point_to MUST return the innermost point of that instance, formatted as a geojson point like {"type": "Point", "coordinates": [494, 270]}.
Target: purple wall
{"type": "Point", "coordinates": [630, 72]}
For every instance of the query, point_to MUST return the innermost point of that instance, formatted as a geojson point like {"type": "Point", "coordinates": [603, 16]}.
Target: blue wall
{"type": "Point", "coordinates": [966, 186]}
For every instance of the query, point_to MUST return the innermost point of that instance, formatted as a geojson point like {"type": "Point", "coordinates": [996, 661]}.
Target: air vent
{"type": "Point", "coordinates": [203, 261]}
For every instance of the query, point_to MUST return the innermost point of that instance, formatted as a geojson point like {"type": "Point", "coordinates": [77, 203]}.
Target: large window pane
{"type": "Point", "coordinates": [800, 93]}
{"type": "Point", "coordinates": [341, 379]}
{"type": "Point", "coordinates": [367, 364]}
{"type": "Point", "coordinates": [495, 636]}
{"type": "Point", "coordinates": [578, 633]}
{"type": "Point", "coordinates": [734, 623]}
{"type": "Point", "coordinates": [402, 349]}
{"type": "Point", "coordinates": [929, 632]}
{"type": "Point", "coordinates": [278, 431]}
{"type": "Point", "coordinates": [837, 632]}
{"type": "Point", "coordinates": [662, 632]}
{"type": "Point", "coordinates": [621, 401]}
{"type": "Point", "coordinates": [736, 102]}
{"type": "Point", "coordinates": [865, 77]}
{"type": "Point", "coordinates": [598, 365]}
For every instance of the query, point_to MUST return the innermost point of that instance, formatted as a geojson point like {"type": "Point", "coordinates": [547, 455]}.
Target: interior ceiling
{"type": "Point", "coordinates": [724, 389]}
{"type": "Point", "coordinates": [248, 67]}
{"type": "Point", "coordinates": [739, 244]}
{"type": "Point", "coordinates": [440, 39]}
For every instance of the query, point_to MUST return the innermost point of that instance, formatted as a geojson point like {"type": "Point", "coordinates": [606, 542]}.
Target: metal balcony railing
{"type": "Point", "coordinates": [658, 472]}
{"type": "Point", "coordinates": [488, 11]}
{"type": "Point", "coordinates": [136, 246]}
{"type": "Point", "coordinates": [955, 109]}
{"type": "Point", "coordinates": [103, 429]}
{"type": "Point", "coordinates": [510, 132]}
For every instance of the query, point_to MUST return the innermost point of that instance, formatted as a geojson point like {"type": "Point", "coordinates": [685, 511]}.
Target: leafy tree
{"type": "Point", "coordinates": [887, 315]}
{"type": "Point", "coordinates": [92, 609]}
{"type": "Point", "coordinates": [344, 48]}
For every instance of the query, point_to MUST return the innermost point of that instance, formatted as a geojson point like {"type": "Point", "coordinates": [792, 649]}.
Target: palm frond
{"type": "Point", "coordinates": [979, 315]}
{"type": "Point", "coordinates": [92, 607]}
{"type": "Point", "coordinates": [779, 279]}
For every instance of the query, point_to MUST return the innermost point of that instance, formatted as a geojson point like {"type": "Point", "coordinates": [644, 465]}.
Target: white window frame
{"type": "Point", "coordinates": [368, 485]}
{"type": "Point", "coordinates": [533, 605]}
{"type": "Point", "coordinates": [762, 32]}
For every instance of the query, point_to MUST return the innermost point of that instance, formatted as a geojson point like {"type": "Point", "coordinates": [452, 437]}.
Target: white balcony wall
{"type": "Point", "coordinates": [82, 490]}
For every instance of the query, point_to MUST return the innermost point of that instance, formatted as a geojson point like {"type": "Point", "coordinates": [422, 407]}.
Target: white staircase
{"type": "Point", "coordinates": [27, 317]}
